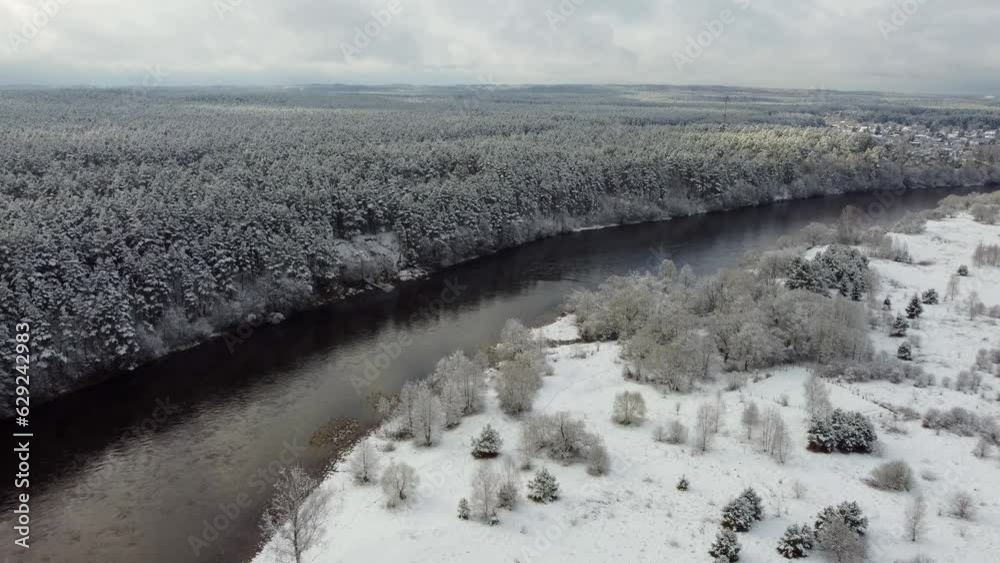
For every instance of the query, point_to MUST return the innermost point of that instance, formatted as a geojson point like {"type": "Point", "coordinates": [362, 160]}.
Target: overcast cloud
{"type": "Point", "coordinates": [947, 46]}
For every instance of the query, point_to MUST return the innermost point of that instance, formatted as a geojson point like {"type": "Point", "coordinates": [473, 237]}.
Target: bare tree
{"type": "Point", "coordinates": [843, 544]}
{"type": "Point", "coordinates": [916, 518]}
{"type": "Point", "coordinates": [398, 483]}
{"type": "Point", "coordinates": [364, 463]}
{"type": "Point", "coordinates": [517, 383]}
{"type": "Point", "coordinates": [428, 415]}
{"type": "Point", "coordinates": [704, 420]}
{"type": "Point", "coordinates": [485, 484]}
{"type": "Point", "coordinates": [629, 408]}
{"type": "Point", "coordinates": [750, 418]}
{"type": "Point", "coordinates": [296, 515]}
{"type": "Point", "coordinates": [817, 397]}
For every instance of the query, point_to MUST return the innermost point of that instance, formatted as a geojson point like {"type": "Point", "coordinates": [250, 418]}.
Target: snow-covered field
{"type": "Point", "coordinates": [635, 513]}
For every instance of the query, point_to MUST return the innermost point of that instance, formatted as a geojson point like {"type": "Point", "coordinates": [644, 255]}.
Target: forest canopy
{"type": "Point", "coordinates": [135, 222]}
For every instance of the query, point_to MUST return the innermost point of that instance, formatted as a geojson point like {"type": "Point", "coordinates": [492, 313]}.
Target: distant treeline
{"type": "Point", "coordinates": [135, 222]}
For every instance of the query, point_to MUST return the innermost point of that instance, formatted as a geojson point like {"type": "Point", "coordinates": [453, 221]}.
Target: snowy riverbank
{"type": "Point", "coordinates": [636, 513]}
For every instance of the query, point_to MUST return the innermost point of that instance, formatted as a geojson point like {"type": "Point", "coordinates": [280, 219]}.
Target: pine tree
{"type": "Point", "coordinates": [963, 270]}
{"type": "Point", "coordinates": [797, 542]}
{"type": "Point", "coordinates": [488, 444]}
{"type": "Point", "coordinates": [905, 352]}
{"type": "Point", "coordinates": [543, 488]}
{"type": "Point", "coordinates": [887, 304]}
{"type": "Point", "coordinates": [726, 546]}
{"type": "Point", "coordinates": [899, 327]}
{"type": "Point", "coordinates": [683, 484]}
{"type": "Point", "coordinates": [738, 515]}
{"type": "Point", "coordinates": [847, 512]}
{"type": "Point", "coordinates": [802, 275]}
{"type": "Point", "coordinates": [463, 509]}
{"type": "Point", "coordinates": [914, 309]}
{"type": "Point", "coordinates": [930, 297]}
{"type": "Point", "coordinates": [754, 502]}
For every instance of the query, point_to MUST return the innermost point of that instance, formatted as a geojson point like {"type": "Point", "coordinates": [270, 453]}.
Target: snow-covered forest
{"type": "Point", "coordinates": [137, 222]}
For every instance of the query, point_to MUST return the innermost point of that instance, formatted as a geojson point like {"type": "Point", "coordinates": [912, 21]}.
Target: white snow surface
{"type": "Point", "coordinates": [636, 514]}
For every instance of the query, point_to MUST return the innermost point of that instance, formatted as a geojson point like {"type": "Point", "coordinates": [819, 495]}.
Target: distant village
{"type": "Point", "coordinates": [950, 143]}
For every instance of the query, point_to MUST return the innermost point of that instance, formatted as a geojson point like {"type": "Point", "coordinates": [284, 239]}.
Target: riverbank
{"type": "Point", "coordinates": [635, 512]}
{"type": "Point", "coordinates": [235, 335]}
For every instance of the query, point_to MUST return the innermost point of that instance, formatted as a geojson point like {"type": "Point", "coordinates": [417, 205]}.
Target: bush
{"type": "Point", "coordinates": [962, 506]}
{"type": "Point", "coordinates": [726, 547]}
{"type": "Point", "coordinates": [598, 461]}
{"type": "Point", "coordinates": [797, 542]}
{"type": "Point", "coordinates": [564, 438]}
{"type": "Point", "coordinates": [543, 488]}
{"type": "Point", "coordinates": [398, 483]}
{"type": "Point", "coordinates": [843, 431]}
{"type": "Point", "coordinates": [963, 270]}
{"type": "Point", "coordinates": [683, 484]}
{"type": "Point", "coordinates": [892, 476]}
{"type": "Point", "coordinates": [488, 444]}
{"type": "Point", "coordinates": [842, 543]}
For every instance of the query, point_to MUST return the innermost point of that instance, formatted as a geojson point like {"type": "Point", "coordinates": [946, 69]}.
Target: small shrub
{"type": "Point", "coordinates": [629, 408]}
{"type": "Point", "coordinates": [963, 270]}
{"type": "Point", "coordinates": [463, 509]}
{"type": "Point", "coordinates": [905, 352]}
{"type": "Point", "coordinates": [930, 297]}
{"type": "Point", "coordinates": [892, 476]}
{"type": "Point", "coordinates": [683, 484]}
{"type": "Point", "coordinates": [598, 461]}
{"type": "Point", "coordinates": [962, 506]}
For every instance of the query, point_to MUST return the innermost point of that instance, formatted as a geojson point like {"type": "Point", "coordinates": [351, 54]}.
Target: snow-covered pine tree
{"type": "Point", "coordinates": [754, 502]}
{"type": "Point", "coordinates": [488, 444]}
{"type": "Point", "coordinates": [738, 515]}
{"type": "Point", "coordinates": [543, 488]}
{"type": "Point", "coordinates": [899, 327]}
{"type": "Point", "coordinates": [887, 304]}
{"type": "Point", "coordinates": [821, 437]}
{"type": "Point", "coordinates": [930, 297]}
{"type": "Point", "coordinates": [914, 309]}
{"type": "Point", "coordinates": [905, 352]}
{"type": "Point", "coordinates": [796, 542]}
{"type": "Point", "coordinates": [802, 275]}
{"type": "Point", "coordinates": [848, 512]}
{"type": "Point", "coordinates": [726, 546]}
{"type": "Point", "coordinates": [463, 509]}
{"type": "Point", "coordinates": [683, 484]}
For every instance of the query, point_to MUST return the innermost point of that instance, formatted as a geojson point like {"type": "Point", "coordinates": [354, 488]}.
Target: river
{"type": "Point", "coordinates": [132, 469]}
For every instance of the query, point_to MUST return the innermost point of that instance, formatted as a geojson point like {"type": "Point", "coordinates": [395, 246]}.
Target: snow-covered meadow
{"type": "Point", "coordinates": [636, 512]}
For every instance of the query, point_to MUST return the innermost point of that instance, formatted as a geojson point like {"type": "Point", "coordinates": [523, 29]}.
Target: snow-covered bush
{"type": "Point", "coordinates": [962, 506]}
{"type": "Point", "coordinates": [488, 443]}
{"type": "Point", "coordinates": [364, 463]}
{"type": "Point", "coordinates": [843, 431]}
{"type": "Point", "coordinates": [726, 547]}
{"type": "Point", "coordinates": [543, 488]}
{"type": "Point", "coordinates": [956, 421]}
{"type": "Point", "coordinates": [796, 542]}
{"type": "Point", "coordinates": [683, 484]}
{"type": "Point", "coordinates": [750, 418]}
{"type": "Point", "coordinates": [892, 476]}
{"type": "Point", "coordinates": [963, 270]}
{"type": "Point", "coordinates": [629, 408]}
{"type": "Point", "coordinates": [598, 460]}
{"type": "Point", "coordinates": [564, 438]}
{"type": "Point", "coordinates": [399, 481]}
{"type": "Point", "coordinates": [463, 509]}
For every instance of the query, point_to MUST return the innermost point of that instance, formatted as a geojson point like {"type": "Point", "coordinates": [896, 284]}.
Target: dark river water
{"type": "Point", "coordinates": [131, 470]}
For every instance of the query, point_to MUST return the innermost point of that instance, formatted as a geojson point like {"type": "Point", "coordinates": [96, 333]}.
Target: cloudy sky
{"type": "Point", "coordinates": [946, 46]}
